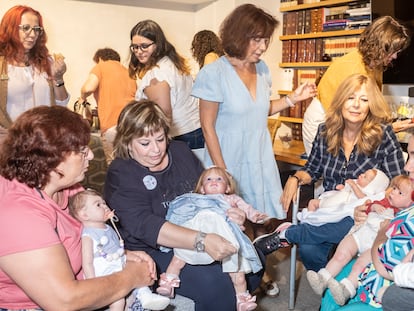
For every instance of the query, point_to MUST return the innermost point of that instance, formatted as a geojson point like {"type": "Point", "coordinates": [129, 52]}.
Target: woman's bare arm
{"type": "Point", "coordinates": [208, 116]}
{"type": "Point", "coordinates": [46, 276]}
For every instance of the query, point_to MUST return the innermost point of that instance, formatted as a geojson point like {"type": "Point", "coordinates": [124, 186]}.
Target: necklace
{"type": "Point", "coordinates": [104, 240]}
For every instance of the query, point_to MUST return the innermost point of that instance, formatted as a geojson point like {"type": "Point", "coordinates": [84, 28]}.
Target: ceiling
{"type": "Point", "coordinates": [181, 5]}
{"type": "Point", "coordinates": [187, 1]}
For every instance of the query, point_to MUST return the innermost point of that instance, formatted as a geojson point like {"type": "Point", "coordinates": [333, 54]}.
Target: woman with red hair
{"type": "Point", "coordinates": [30, 75]}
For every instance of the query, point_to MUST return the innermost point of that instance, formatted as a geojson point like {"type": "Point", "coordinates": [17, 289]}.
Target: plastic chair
{"type": "Point", "coordinates": [292, 276]}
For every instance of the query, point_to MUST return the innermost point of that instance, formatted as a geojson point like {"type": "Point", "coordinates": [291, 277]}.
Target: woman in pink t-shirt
{"type": "Point", "coordinates": [44, 157]}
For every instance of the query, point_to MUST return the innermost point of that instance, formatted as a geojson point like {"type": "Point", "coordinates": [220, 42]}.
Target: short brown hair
{"type": "Point", "coordinates": [246, 22]}
{"type": "Point", "coordinates": [106, 54]}
{"type": "Point", "coordinates": [138, 119]}
{"type": "Point", "coordinates": [38, 141]}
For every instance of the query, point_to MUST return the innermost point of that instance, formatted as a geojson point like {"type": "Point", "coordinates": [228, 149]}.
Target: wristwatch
{"type": "Point", "coordinates": [199, 242]}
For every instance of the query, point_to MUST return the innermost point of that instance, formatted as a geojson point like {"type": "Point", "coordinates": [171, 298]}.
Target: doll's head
{"type": "Point", "coordinates": [89, 205]}
{"type": "Point", "coordinates": [373, 181]}
{"type": "Point", "coordinates": [215, 180]}
{"type": "Point", "coordinates": [401, 192]}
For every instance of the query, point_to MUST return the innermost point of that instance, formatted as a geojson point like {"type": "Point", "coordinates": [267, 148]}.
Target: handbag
{"type": "Point", "coordinates": [84, 109]}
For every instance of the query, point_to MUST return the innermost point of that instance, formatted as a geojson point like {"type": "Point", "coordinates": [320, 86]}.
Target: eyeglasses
{"type": "Point", "coordinates": [27, 29]}
{"type": "Point", "coordinates": [143, 47]}
{"type": "Point", "coordinates": [84, 151]}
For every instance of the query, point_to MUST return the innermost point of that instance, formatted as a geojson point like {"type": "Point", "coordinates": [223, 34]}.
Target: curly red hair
{"type": "Point", "coordinates": [38, 141]}
{"type": "Point", "coordinates": [11, 47]}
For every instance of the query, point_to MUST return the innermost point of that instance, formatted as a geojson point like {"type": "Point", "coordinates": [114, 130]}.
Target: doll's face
{"type": "Point", "coordinates": [365, 178]}
{"type": "Point", "coordinates": [214, 183]}
{"type": "Point", "coordinates": [96, 209]}
{"type": "Point", "coordinates": [400, 196]}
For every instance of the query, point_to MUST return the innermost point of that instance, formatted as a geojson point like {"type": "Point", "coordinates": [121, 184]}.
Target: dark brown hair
{"type": "Point", "coordinates": [152, 31]}
{"type": "Point", "coordinates": [38, 141]}
{"type": "Point", "coordinates": [246, 22]}
{"type": "Point", "coordinates": [106, 54]}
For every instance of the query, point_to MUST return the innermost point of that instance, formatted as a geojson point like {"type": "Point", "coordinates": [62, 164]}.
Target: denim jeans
{"type": "Point", "coordinates": [398, 299]}
{"type": "Point", "coordinates": [194, 139]}
{"type": "Point", "coordinates": [316, 242]}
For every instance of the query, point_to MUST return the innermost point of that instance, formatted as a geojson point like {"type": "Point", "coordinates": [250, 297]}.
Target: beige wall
{"type": "Point", "coordinates": [77, 28]}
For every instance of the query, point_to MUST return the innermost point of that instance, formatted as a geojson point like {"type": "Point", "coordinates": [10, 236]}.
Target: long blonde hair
{"type": "Point", "coordinates": [372, 128]}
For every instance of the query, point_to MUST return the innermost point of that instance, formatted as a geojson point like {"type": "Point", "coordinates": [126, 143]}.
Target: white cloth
{"type": "Point", "coordinates": [185, 117]}
{"type": "Point", "coordinates": [27, 88]}
{"type": "Point", "coordinates": [365, 234]}
{"type": "Point", "coordinates": [330, 215]}
{"type": "Point", "coordinates": [313, 116]}
{"type": "Point", "coordinates": [335, 205]}
{"type": "Point", "coordinates": [210, 222]}
{"type": "Point", "coordinates": [404, 274]}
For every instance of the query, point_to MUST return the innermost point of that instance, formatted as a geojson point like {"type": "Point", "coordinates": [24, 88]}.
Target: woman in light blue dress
{"type": "Point", "coordinates": [234, 94]}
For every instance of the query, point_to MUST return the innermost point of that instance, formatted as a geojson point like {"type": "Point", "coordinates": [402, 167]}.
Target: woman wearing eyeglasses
{"type": "Point", "coordinates": [165, 79]}
{"type": "Point", "coordinates": [44, 157]}
{"type": "Point", "coordinates": [33, 77]}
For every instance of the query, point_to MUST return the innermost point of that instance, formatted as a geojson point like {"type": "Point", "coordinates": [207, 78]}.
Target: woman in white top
{"type": "Point", "coordinates": [165, 79]}
{"type": "Point", "coordinates": [32, 76]}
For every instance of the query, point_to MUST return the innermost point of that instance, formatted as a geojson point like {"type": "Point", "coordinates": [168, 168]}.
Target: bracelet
{"type": "Point", "coordinates": [289, 101]}
{"type": "Point", "coordinates": [59, 84]}
{"type": "Point", "coordinates": [300, 182]}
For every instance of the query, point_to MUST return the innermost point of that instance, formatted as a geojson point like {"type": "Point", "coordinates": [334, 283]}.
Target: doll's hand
{"type": "Point", "coordinates": [313, 205]}
{"type": "Point", "coordinates": [260, 218]}
{"type": "Point", "coordinates": [237, 216]}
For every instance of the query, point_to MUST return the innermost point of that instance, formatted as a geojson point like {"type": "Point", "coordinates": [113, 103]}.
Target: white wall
{"type": "Point", "coordinates": [77, 28]}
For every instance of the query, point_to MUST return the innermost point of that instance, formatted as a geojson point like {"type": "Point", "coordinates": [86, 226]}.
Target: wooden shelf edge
{"type": "Point", "coordinates": [290, 119]}
{"type": "Point", "coordinates": [290, 155]}
{"type": "Point", "coordinates": [305, 65]}
{"type": "Point", "coordinates": [314, 5]}
{"type": "Point", "coordinates": [284, 92]}
{"type": "Point", "coordinates": [323, 34]}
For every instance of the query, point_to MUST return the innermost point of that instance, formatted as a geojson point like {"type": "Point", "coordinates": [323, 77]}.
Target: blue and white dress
{"type": "Point", "coordinates": [241, 127]}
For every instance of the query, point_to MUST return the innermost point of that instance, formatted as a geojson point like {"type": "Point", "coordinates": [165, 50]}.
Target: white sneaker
{"type": "Point", "coordinates": [272, 289]}
{"type": "Point", "coordinates": [152, 301]}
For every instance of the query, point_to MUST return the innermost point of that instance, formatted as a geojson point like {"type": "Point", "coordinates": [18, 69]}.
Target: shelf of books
{"type": "Point", "coordinates": [317, 32]}
{"type": "Point", "coordinates": [314, 34]}
{"type": "Point", "coordinates": [289, 5]}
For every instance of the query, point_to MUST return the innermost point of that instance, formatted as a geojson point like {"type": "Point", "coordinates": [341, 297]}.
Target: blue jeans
{"type": "Point", "coordinates": [194, 139]}
{"type": "Point", "coordinates": [315, 243]}
{"type": "Point", "coordinates": [398, 299]}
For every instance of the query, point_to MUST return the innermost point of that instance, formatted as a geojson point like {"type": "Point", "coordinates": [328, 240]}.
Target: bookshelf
{"type": "Point", "coordinates": [310, 32]}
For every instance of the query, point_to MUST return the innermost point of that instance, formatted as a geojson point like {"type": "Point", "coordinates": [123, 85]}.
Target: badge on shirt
{"type": "Point", "coordinates": [150, 182]}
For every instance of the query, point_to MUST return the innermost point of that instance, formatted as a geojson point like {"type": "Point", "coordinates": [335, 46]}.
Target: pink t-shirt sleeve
{"type": "Point", "coordinates": [26, 225]}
